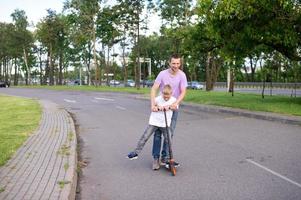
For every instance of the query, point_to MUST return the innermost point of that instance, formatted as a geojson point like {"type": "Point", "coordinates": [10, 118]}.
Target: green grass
{"type": "Point", "coordinates": [92, 88]}
{"type": "Point", "coordinates": [19, 117]}
{"type": "Point", "coordinates": [253, 102]}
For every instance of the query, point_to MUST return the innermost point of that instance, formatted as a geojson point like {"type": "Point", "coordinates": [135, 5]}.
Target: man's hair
{"type": "Point", "coordinates": [175, 56]}
{"type": "Point", "coordinates": [167, 88]}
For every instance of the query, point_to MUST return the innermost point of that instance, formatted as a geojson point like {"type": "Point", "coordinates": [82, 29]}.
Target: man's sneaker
{"type": "Point", "coordinates": [163, 161]}
{"type": "Point", "coordinates": [156, 164]}
{"type": "Point", "coordinates": [132, 156]}
{"type": "Point", "coordinates": [175, 164]}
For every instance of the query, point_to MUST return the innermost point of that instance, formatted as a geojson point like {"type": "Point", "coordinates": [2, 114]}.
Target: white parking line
{"type": "Point", "coordinates": [104, 99]}
{"type": "Point", "coordinates": [70, 101]}
{"type": "Point", "coordinates": [121, 108]}
{"type": "Point", "coordinates": [275, 173]}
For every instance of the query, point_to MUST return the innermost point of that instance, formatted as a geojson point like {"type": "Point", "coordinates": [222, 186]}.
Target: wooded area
{"type": "Point", "coordinates": [256, 41]}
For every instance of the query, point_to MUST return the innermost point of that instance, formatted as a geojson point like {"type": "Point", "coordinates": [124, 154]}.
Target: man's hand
{"type": "Point", "coordinates": [174, 106]}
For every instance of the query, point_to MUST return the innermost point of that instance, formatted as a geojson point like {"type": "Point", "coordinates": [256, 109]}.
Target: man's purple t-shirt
{"type": "Point", "coordinates": [177, 82]}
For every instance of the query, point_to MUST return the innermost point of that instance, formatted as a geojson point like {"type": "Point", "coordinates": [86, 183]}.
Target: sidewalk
{"type": "Point", "coordinates": [45, 166]}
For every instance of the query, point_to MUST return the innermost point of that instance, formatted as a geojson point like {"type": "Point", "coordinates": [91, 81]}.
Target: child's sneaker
{"type": "Point", "coordinates": [156, 164]}
{"type": "Point", "coordinates": [132, 156]}
{"type": "Point", "coordinates": [175, 164]}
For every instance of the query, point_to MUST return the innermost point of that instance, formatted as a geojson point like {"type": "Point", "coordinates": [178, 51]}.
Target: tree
{"type": "Point", "coordinates": [8, 49]}
{"type": "Point", "coordinates": [24, 37]}
{"type": "Point", "coordinates": [274, 24]}
{"type": "Point", "coordinates": [84, 14]}
{"type": "Point", "coordinates": [51, 35]}
{"type": "Point", "coordinates": [107, 31]}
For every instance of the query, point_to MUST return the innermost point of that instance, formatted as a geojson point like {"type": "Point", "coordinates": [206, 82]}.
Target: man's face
{"type": "Point", "coordinates": [166, 95]}
{"type": "Point", "coordinates": [175, 64]}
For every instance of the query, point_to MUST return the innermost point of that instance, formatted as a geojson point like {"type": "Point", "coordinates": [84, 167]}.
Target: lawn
{"type": "Point", "coordinates": [253, 102]}
{"type": "Point", "coordinates": [19, 117]}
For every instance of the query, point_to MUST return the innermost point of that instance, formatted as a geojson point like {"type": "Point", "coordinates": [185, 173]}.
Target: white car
{"type": "Point", "coordinates": [195, 85]}
{"type": "Point", "coordinates": [130, 83]}
{"type": "Point", "coordinates": [114, 82]}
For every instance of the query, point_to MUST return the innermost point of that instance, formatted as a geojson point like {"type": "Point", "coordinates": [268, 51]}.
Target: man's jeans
{"type": "Point", "coordinates": [157, 138]}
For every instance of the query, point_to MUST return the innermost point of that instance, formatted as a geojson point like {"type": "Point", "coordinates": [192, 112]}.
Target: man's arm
{"type": "Point", "coordinates": [153, 94]}
{"type": "Point", "coordinates": [176, 104]}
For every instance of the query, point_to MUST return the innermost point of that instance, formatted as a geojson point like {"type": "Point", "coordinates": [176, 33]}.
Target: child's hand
{"type": "Point", "coordinates": [161, 108]}
{"type": "Point", "coordinates": [155, 109]}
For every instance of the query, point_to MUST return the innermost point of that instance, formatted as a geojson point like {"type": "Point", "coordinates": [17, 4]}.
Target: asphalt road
{"type": "Point", "coordinates": [222, 156]}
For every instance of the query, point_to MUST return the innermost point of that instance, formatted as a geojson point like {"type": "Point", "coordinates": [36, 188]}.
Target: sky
{"type": "Point", "coordinates": [37, 9]}
{"type": "Point", "coordinates": [34, 9]}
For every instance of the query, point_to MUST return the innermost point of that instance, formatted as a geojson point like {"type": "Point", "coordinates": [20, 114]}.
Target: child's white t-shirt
{"type": "Point", "coordinates": [157, 118]}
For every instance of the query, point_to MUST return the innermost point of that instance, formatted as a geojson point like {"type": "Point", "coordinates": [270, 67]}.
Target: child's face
{"type": "Point", "coordinates": [166, 95]}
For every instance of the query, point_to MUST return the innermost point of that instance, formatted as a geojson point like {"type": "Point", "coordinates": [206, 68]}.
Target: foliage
{"type": "Point", "coordinates": [262, 36]}
{"type": "Point", "coordinates": [241, 25]}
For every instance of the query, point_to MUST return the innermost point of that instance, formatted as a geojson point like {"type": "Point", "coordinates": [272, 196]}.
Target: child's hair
{"type": "Point", "coordinates": [167, 89]}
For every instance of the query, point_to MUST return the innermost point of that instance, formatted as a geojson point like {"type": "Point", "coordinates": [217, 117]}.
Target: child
{"type": "Point", "coordinates": [156, 121]}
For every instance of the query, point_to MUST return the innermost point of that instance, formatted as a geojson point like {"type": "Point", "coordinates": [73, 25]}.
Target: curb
{"type": "Point", "coordinates": [286, 119]}
{"type": "Point", "coordinates": [70, 191]}
{"type": "Point", "coordinates": [294, 120]}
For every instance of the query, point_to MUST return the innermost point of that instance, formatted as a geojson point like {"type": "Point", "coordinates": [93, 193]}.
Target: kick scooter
{"type": "Point", "coordinates": [171, 160]}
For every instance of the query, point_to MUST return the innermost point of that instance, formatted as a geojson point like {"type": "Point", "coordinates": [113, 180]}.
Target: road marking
{"type": "Point", "coordinates": [121, 108]}
{"type": "Point", "coordinates": [70, 101]}
{"type": "Point", "coordinates": [275, 173]}
{"type": "Point", "coordinates": [104, 99]}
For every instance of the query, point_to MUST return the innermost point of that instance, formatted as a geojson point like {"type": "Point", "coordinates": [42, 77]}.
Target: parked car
{"type": "Point", "coordinates": [114, 82]}
{"type": "Point", "coordinates": [73, 82]}
{"type": "Point", "coordinates": [149, 83]}
{"type": "Point", "coordinates": [5, 84]}
{"type": "Point", "coordinates": [195, 85]}
{"type": "Point", "coordinates": [130, 83]}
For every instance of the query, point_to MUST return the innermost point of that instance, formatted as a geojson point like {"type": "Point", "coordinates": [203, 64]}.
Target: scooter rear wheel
{"type": "Point", "coordinates": [173, 170]}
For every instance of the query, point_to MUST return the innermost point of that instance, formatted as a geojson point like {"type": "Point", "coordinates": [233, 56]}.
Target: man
{"type": "Point", "coordinates": [176, 78]}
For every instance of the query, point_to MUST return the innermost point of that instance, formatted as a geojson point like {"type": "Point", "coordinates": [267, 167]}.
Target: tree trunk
{"type": "Point", "coordinates": [214, 72]}
{"type": "Point", "coordinates": [208, 78]}
{"type": "Point", "coordinates": [61, 69]}
{"type": "Point", "coordinates": [108, 65]}
{"type": "Point", "coordinates": [124, 65]}
{"type": "Point", "coordinates": [138, 54]}
{"type": "Point", "coordinates": [42, 82]}
{"type": "Point", "coordinates": [231, 88]}
{"type": "Point", "coordinates": [89, 64]}
{"type": "Point", "coordinates": [94, 58]}
{"type": "Point", "coordinates": [51, 67]}
{"type": "Point", "coordinates": [212, 69]}
{"type": "Point", "coordinates": [27, 68]}
{"type": "Point", "coordinates": [16, 73]}
{"type": "Point", "coordinates": [4, 69]}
